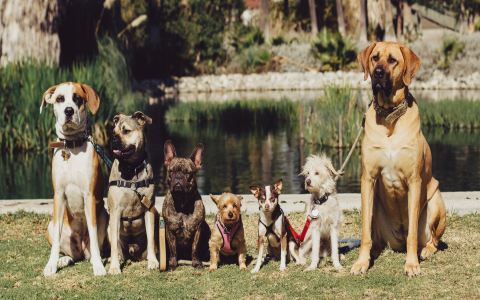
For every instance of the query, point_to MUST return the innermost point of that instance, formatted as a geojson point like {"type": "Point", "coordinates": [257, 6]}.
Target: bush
{"type": "Point", "coordinates": [336, 52]}
{"type": "Point", "coordinates": [451, 47]}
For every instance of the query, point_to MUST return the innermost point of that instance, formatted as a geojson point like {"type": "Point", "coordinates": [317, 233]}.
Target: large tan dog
{"type": "Point", "coordinates": [401, 204]}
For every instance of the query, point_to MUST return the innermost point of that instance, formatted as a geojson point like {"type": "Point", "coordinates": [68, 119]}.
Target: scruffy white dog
{"type": "Point", "coordinates": [322, 236]}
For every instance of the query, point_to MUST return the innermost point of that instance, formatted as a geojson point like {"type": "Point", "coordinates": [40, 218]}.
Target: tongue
{"type": "Point", "coordinates": [117, 151]}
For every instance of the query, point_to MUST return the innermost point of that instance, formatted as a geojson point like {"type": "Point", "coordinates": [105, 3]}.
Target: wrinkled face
{"type": "Point", "coordinates": [229, 207]}
{"type": "Point", "coordinates": [268, 195]}
{"type": "Point", "coordinates": [181, 172]}
{"type": "Point", "coordinates": [318, 174]}
{"type": "Point", "coordinates": [128, 136]}
{"type": "Point", "coordinates": [69, 105]}
{"type": "Point", "coordinates": [386, 68]}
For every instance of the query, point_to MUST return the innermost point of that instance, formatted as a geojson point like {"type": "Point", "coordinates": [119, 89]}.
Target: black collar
{"type": "Point", "coordinates": [135, 170]}
{"type": "Point", "coordinates": [322, 199]}
{"type": "Point", "coordinates": [64, 144]}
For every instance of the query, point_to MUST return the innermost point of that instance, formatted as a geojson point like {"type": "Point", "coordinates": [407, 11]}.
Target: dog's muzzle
{"type": "Point", "coordinates": [380, 81]}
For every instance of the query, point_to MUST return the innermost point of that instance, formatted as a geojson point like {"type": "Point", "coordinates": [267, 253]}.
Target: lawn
{"type": "Point", "coordinates": [454, 272]}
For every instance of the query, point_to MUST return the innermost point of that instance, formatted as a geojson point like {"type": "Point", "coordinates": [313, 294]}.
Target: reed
{"type": "Point", "coordinates": [450, 113]}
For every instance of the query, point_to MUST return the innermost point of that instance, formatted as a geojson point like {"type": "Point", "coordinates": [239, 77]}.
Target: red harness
{"type": "Point", "coordinates": [227, 236]}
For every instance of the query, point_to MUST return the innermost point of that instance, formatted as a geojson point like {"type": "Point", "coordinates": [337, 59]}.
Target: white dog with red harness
{"type": "Point", "coordinates": [78, 228]}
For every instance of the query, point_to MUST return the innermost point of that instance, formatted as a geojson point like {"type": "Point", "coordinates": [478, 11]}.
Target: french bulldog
{"type": "Point", "coordinates": [183, 210]}
{"type": "Point", "coordinates": [132, 225]}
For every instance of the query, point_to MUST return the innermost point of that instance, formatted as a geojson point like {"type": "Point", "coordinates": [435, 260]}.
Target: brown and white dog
{"type": "Point", "coordinates": [271, 224]}
{"type": "Point", "coordinates": [78, 228]}
{"type": "Point", "coordinates": [132, 225]}
{"type": "Point", "coordinates": [401, 204]}
{"type": "Point", "coordinates": [228, 236]}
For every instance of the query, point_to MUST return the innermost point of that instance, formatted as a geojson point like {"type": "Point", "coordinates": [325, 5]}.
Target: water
{"type": "Point", "coordinates": [239, 156]}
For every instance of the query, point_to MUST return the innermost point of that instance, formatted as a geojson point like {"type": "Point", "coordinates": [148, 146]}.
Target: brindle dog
{"type": "Point", "coordinates": [132, 225]}
{"type": "Point", "coordinates": [183, 209]}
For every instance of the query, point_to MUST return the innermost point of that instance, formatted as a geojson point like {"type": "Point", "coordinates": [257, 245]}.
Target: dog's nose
{"type": "Point", "coordinates": [115, 138]}
{"type": "Point", "coordinates": [69, 111]}
{"type": "Point", "coordinates": [230, 215]}
{"type": "Point", "coordinates": [267, 207]}
{"type": "Point", "coordinates": [379, 72]}
{"type": "Point", "coordinates": [309, 182]}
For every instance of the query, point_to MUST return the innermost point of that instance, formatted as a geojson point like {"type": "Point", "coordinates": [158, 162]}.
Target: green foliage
{"type": "Point", "coordinates": [451, 47]}
{"type": "Point", "coordinates": [250, 59]}
{"type": "Point", "coordinates": [246, 37]}
{"type": "Point", "coordinates": [23, 85]}
{"type": "Point", "coordinates": [336, 52]}
{"type": "Point", "coordinates": [450, 113]}
{"type": "Point", "coordinates": [321, 117]}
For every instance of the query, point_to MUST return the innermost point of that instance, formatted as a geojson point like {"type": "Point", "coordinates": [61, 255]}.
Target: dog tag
{"type": "Point", "coordinates": [65, 155]}
{"type": "Point", "coordinates": [314, 213]}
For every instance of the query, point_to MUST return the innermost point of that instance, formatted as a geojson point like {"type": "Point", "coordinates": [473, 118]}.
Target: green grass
{"type": "Point", "coordinates": [453, 272]}
{"type": "Point", "coordinates": [450, 113]}
{"type": "Point", "coordinates": [23, 84]}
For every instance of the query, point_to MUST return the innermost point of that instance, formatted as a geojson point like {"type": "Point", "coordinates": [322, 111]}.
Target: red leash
{"type": "Point", "coordinates": [301, 237]}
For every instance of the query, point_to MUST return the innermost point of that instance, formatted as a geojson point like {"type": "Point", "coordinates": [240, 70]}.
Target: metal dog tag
{"type": "Point", "coordinates": [314, 213]}
{"type": "Point", "coordinates": [65, 155]}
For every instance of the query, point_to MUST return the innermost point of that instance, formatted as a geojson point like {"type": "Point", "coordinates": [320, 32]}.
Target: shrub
{"type": "Point", "coordinates": [451, 47]}
{"type": "Point", "coordinates": [336, 52]}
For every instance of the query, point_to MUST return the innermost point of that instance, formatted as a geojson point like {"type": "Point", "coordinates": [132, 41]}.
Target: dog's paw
{"type": "Point", "coordinates": [412, 269]}
{"type": "Point", "coordinates": [341, 257]}
{"type": "Point", "coordinates": [50, 269]}
{"type": "Point", "coordinates": [172, 264]}
{"type": "Point", "coordinates": [360, 267]}
{"type": "Point", "coordinates": [282, 268]}
{"type": "Point", "coordinates": [339, 268]}
{"type": "Point", "coordinates": [213, 268]}
{"type": "Point", "coordinates": [255, 270]}
{"type": "Point", "coordinates": [427, 252]}
{"type": "Point", "coordinates": [114, 270]}
{"type": "Point", "coordinates": [99, 270]}
{"type": "Point", "coordinates": [310, 268]}
{"type": "Point", "coordinates": [197, 264]}
{"type": "Point", "coordinates": [65, 261]}
{"type": "Point", "coordinates": [243, 267]}
{"type": "Point", "coordinates": [301, 262]}
{"type": "Point", "coordinates": [153, 264]}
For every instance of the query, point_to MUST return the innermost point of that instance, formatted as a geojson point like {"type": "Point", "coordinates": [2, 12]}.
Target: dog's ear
{"type": "Point", "coordinates": [141, 118]}
{"type": "Point", "coordinates": [169, 152]}
{"type": "Point", "coordinates": [278, 186]}
{"type": "Point", "coordinates": [92, 98]}
{"type": "Point", "coordinates": [215, 199]}
{"type": "Point", "coordinates": [255, 190]}
{"type": "Point", "coordinates": [116, 119]}
{"type": "Point", "coordinates": [239, 198]}
{"type": "Point", "coordinates": [363, 60]}
{"type": "Point", "coordinates": [412, 65]}
{"type": "Point", "coordinates": [197, 156]}
{"type": "Point", "coordinates": [47, 97]}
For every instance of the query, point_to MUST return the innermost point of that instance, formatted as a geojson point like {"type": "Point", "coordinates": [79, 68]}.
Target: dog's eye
{"type": "Point", "coordinates": [375, 58]}
{"type": "Point", "coordinates": [391, 60]}
{"type": "Point", "coordinates": [224, 207]}
{"type": "Point", "coordinates": [125, 131]}
{"type": "Point", "coordinates": [234, 206]}
{"type": "Point", "coordinates": [60, 99]}
{"type": "Point", "coordinates": [77, 99]}
{"type": "Point", "coordinates": [317, 173]}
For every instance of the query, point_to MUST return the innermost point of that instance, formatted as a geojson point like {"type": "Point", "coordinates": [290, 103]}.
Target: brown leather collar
{"type": "Point", "coordinates": [392, 113]}
{"type": "Point", "coordinates": [64, 144]}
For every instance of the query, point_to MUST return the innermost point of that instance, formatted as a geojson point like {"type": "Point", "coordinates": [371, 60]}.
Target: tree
{"type": "Point", "coordinates": [313, 17]}
{"type": "Point", "coordinates": [363, 21]}
{"type": "Point", "coordinates": [340, 18]}
{"type": "Point", "coordinates": [399, 22]}
{"type": "Point", "coordinates": [264, 22]}
{"type": "Point", "coordinates": [407, 18]}
{"type": "Point", "coordinates": [286, 12]}
{"type": "Point", "coordinates": [389, 31]}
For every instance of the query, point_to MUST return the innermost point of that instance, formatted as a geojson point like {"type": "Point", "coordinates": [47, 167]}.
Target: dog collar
{"type": "Point", "coordinates": [392, 113]}
{"type": "Point", "coordinates": [64, 144]}
{"type": "Point", "coordinates": [322, 199]}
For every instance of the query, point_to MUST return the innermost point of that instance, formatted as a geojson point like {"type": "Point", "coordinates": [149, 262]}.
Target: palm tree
{"type": "Point", "coordinates": [363, 21]}
{"type": "Point", "coordinates": [340, 18]}
{"type": "Point", "coordinates": [264, 23]}
{"type": "Point", "coordinates": [313, 17]}
{"type": "Point", "coordinates": [389, 31]}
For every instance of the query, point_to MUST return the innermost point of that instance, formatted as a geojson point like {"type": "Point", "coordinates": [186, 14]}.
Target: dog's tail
{"type": "Point", "coordinates": [354, 243]}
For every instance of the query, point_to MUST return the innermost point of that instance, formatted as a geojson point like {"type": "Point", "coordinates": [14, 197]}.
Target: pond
{"type": "Point", "coordinates": [237, 156]}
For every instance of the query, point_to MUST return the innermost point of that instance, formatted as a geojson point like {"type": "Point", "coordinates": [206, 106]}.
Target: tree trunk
{"type": "Point", "coordinates": [363, 21]}
{"type": "Point", "coordinates": [461, 19]}
{"type": "Point", "coordinates": [399, 22]}
{"type": "Point", "coordinates": [389, 32]}
{"type": "Point", "coordinates": [263, 19]}
{"type": "Point", "coordinates": [286, 11]}
{"type": "Point", "coordinates": [29, 28]}
{"type": "Point", "coordinates": [313, 17]}
{"type": "Point", "coordinates": [407, 18]}
{"type": "Point", "coordinates": [340, 18]}
{"type": "Point", "coordinates": [153, 22]}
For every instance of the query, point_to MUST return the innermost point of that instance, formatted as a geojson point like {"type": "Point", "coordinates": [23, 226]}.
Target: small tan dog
{"type": "Point", "coordinates": [228, 236]}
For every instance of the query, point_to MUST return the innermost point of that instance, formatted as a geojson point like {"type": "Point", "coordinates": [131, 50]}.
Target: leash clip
{"type": "Point", "coordinates": [133, 186]}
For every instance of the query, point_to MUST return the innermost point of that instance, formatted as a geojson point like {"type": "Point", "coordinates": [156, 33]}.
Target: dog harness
{"type": "Point", "coordinates": [228, 235]}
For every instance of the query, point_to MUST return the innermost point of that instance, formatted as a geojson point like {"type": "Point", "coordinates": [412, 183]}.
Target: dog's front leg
{"type": "Point", "coordinates": [196, 262]}
{"type": "Point", "coordinates": [334, 242]}
{"type": "Point", "coordinates": [150, 228]}
{"type": "Point", "coordinates": [363, 261]}
{"type": "Point", "coordinates": [412, 267]}
{"type": "Point", "coordinates": [114, 236]}
{"type": "Point", "coordinates": [315, 251]}
{"type": "Point", "coordinates": [58, 213]}
{"type": "Point", "coordinates": [260, 253]}
{"type": "Point", "coordinates": [91, 216]}
{"type": "Point", "coordinates": [242, 250]}
{"type": "Point", "coordinates": [283, 251]}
